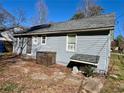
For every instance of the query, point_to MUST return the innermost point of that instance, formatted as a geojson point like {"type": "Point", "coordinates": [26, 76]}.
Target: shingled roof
{"type": "Point", "coordinates": [102, 22]}
{"type": "Point", "coordinates": [86, 59]}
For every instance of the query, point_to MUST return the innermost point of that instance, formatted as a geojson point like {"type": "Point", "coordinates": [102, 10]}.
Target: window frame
{"type": "Point", "coordinates": [42, 40]}
{"type": "Point", "coordinates": [67, 38]}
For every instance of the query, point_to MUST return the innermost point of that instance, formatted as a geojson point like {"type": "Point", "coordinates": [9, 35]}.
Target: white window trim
{"type": "Point", "coordinates": [45, 40]}
{"type": "Point", "coordinates": [67, 43]}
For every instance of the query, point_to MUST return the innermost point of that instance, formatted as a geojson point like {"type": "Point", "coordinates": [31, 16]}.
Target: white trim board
{"type": "Point", "coordinates": [84, 62]}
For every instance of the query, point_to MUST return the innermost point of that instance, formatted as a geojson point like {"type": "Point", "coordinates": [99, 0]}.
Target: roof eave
{"type": "Point", "coordinates": [66, 31]}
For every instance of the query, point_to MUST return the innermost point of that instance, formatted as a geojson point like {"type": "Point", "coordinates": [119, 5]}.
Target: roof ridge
{"type": "Point", "coordinates": [102, 15]}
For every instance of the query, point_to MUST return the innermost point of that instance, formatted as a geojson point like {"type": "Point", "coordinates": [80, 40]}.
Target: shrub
{"type": "Point", "coordinates": [88, 70]}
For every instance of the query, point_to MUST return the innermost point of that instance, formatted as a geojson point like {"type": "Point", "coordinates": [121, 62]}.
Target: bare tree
{"type": "Point", "coordinates": [5, 18]}
{"type": "Point", "coordinates": [20, 17]}
{"type": "Point", "coordinates": [41, 13]}
{"type": "Point", "coordinates": [87, 8]}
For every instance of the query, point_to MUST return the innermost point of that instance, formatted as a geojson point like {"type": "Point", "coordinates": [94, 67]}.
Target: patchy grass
{"type": "Point", "coordinates": [115, 80]}
{"type": "Point", "coordinates": [8, 87]}
{"type": "Point", "coordinates": [118, 67]}
{"type": "Point", "coordinates": [11, 87]}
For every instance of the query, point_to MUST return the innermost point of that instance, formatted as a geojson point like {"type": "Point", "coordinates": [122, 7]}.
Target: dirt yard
{"type": "Point", "coordinates": [19, 76]}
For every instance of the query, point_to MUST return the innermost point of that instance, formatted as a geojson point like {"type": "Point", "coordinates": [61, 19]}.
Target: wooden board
{"type": "Point", "coordinates": [46, 58]}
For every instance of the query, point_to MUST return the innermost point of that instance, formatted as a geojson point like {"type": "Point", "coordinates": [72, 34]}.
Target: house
{"type": "Point", "coordinates": [2, 47]}
{"type": "Point", "coordinates": [7, 39]}
{"type": "Point", "coordinates": [121, 47]}
{"type": "Point", "coordinates": [86, 41]}
{"type": "Point", "coordinates": [114, 46]}
{"type": "Point", "coordinates": [117, 46]}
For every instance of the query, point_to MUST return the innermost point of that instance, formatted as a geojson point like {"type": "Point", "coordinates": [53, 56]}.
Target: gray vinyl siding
{"type": "Point", "coordinates": [92, 45]}
{"type": "Point", "coordinates": [55, 44]}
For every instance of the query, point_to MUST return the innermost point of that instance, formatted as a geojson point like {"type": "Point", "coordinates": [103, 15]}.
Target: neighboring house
{"type": "Point", "coordinates": [86, 41]}
{"type": "Point", "coordinates": [121, 47]}
{"type": "Point", "coordinates": [7, 39]}
{"type": "Point", "coordinates": [117, 47]}
{"type": "Point", "coordinates": [114, 45]}
{"type": "Point", "coordinates": [2, 47]}
{"type": "Point", "coordinates": [3, 40]}
{"type": "Point", "coordinates": [7, 36]}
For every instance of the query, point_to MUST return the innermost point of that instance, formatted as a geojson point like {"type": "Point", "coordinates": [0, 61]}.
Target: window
{"type": "Point", "coordinates": [71, 43]}
{"type": "Point", "coordinates": [43, 40]}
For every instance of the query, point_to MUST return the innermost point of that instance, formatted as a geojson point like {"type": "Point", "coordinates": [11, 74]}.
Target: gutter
{"type": "Point", "coordinates": [65, 31]}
